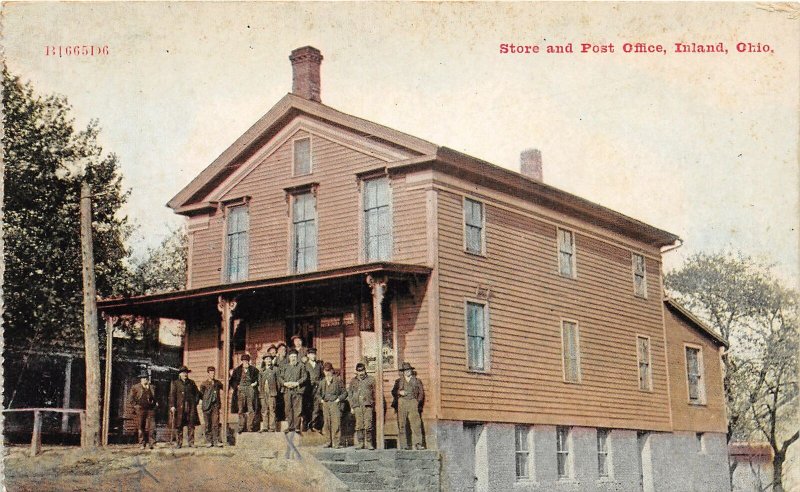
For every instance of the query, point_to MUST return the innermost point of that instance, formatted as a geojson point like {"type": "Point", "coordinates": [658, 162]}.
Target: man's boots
{"type": "Point", "coordinates": [359, 440]}
{"type": "Point", "coordinates": [368, 440]}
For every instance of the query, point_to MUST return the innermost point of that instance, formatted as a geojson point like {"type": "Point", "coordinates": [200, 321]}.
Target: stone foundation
{"type": "Point", "coordinates": [389, 469]}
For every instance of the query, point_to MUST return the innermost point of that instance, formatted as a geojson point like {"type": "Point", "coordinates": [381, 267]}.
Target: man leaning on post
{"type": "Point", "coordinates": [362, 402]}
{"type": "Point", "coordinates": [333, 394]}
{"type": "Point", "coordinates": [210, 393]}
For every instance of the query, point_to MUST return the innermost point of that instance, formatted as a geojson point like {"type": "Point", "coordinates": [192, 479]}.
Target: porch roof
{"type": "Point", "coordinates": [177, 304]}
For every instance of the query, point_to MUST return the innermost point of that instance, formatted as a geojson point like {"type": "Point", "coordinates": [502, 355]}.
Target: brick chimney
{"type": "Point", "coordinates": [530, 163]}
{"type": "Point", "coordinates": [305, 72]}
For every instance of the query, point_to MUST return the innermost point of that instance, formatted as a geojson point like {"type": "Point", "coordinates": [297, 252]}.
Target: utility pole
{"type": "Point", "coordinates": [90, 336]}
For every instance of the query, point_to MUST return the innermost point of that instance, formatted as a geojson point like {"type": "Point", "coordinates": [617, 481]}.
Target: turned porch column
{"type": "Point", "coordinates": [226, 308]}
{"type": "Point", "coordinates": [378, 287]}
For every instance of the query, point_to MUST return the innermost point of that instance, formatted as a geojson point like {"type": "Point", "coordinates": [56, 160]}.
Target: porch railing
{"type": "Point", "coordinates": [36, 437]}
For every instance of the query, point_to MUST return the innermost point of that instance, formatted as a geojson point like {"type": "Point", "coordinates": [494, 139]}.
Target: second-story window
{"type": "Point", "coordinates": [473, 226]}
{"type": "Point", "coordinates": [377, 220]}
{"type": "Point", "coordinates": [571, 351]}
{"type": "Point", "coordinates": [304, 233]}
{"type": "Point", "coordinates": [566, 253]}
{"type": "Point", "coordinates": [694, 374]}
{"type": "Point", "coordinates": [476, 336]}
{"type": "Point", "coordinates": [639, 275]}
{"type": "Point", "coordinates": [643, 355]}
{"type": "Point", "coordinates": [236, 244]}
{"type": "Point", "coordinates": [302, 156]}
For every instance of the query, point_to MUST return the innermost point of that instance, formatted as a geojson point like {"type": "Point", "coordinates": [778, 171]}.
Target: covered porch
{"type": "Point", "coordinates": [345, 313]}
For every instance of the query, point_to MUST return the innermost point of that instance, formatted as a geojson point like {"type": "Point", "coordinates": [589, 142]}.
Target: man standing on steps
{"type": "Point", "coordinates": [408, 398]}
{"type": "Point", "coordinates": [293, 379]}
{"type": "Point", "coordinates": [143, 399]}
{"type": "Point", "coordinates": [332, 393]}
{"type": "Point", "coordinates": [362, 402]}
{"type": "Point", "coordinates": [210, 393]}
{"type": "Point", "coordinates": [183, 395]}
{"type": "Point", "coordinates": [311, 401]}
{"type": "Point", "coordinates": [245, 380]}
{"type": "Point", "coordinates": [269, 390]}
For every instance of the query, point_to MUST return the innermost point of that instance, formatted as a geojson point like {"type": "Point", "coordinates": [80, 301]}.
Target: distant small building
{"type": "Point", "coordinates": [753, 465]}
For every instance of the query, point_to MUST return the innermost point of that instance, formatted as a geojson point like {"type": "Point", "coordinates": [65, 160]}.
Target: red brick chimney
{"type": "Point", "coordinates": [305, 72]}
{"type": "Point", "coordinates": [530, 163]}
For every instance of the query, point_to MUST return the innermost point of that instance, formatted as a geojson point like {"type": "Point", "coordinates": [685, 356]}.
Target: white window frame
{"type": "Point", "coordinates": [364, 254]}
{"type": "Point", "coordinates": [526, 452]}
{"type": "Point", "coordinates": [292, 234]}
{"type": "Point", "coordinates": [565, 451]}
{"type": "Point", "coordinates": [486, 336]}
{"type": "Point", "coordinates": [577, 357]}
{"type": "Point", "coordinates": [701, 384]}
{"type": "Point", "coordinates": [310, 156]}
{"type": "Point", "coordinates": [649, 364]}
{"type": "Point", "coordinates": [636, 291]}
{"type": "Point", "coordinates": [573, 254]}
{"type": "Point", "coordinates": [605, 453]}
{"type": "Point", "coordinates": [226, 258]}
{"type": "Point", "coordinates": [482, 251]}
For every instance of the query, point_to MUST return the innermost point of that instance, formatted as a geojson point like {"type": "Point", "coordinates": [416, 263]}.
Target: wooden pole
{"type": "Point", "coordinates": [378, 287]}
{"type": "Point", "coordinates": [107, 382]}
{"type": "Point", "coordinates": [67, 394]}
{"type": "Point", "coordinates": [90, 336]}
{"type": "Point", "coordinates": [36, 439]}
{"type": "Point", "coordinates": [226, 308]}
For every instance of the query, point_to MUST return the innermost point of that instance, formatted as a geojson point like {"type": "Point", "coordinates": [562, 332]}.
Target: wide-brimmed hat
{"type": "Point", "coordinates": [406, 367]}
{"type": "Point", "coordinates": [292, 352]}
{"type": "Point", "coordinates": [184, 369]}
{"type": "Point", "coordinates": [361, 367]}
{"type": "Point", "coordinates": [245, 357]}
{"type": "Point", "coordinates": [143, 375]}
{"type": "Point", "coordinates": [280, 344]}
{"type": "Point", "coordinates": [327, 367]}
{"type": "Point", "coordinates": [272, 347]}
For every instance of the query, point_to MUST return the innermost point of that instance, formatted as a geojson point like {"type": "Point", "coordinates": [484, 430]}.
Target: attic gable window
{"type": "Point", "coordinates": [302, 156]}
{"type": "Point", "coordinates": [236, 244]}
{"type": "Point", "coordinates": [639, 275]}
{"type": "Point", "coordinates": [304, 232]}
{"type": "Point", "coordinates": [566, 253]}
{"type": "Point", "coordinates": [377, 220]}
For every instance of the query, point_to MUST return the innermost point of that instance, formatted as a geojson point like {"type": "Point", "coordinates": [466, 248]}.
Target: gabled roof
{"type": "Point", "coordinates": [427, 154]}
{"type": "Point", "coordinates": [699, 325]}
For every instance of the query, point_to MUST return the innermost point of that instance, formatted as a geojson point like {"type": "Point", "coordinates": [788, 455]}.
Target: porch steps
{"type": "Point", "coordinates": [389, 469]}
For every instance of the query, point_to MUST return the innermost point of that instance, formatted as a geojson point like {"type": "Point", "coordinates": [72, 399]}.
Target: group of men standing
{"type": "Point", "coordinates": [291, 385]}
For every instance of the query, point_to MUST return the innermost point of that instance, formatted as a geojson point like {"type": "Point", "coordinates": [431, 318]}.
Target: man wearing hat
{"type": "Point", "coordinates": [183, 396]}
{"type": "Point", "coordinates": [293, 379]}
{"type": "Point", "coordinates": [210, 393]}
{"type": "Point", "coordinates": [362, 402]}
{"type": "Point", "coordinates": [143, 399]}
{"type": "Point", "coordinates": [332, 393]}
{"type": "Point", "coordinates": [280, 357]}
{"type": "Point", "coordinates": [311, 401]}
{"type": "Point", "coordinates": [408, 398]}
{"type": "Point", "coordinates": [269, 390]}
{"type": "Point", "coordinates": [302, 352]}
{"type": "Point", "coordinates": [245, 379]}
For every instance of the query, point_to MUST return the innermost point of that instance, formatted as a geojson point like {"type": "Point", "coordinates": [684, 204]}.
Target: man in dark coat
{"type": "Point", "coordinates": [332, 394]}
{"type": "Point", "coordinates": [244, 381]}
{"type": "Point", "coordinates": [293, 379]}
{"type": "Point", "coordinates": [311, 402]}
{"type": "Point", "coordinates": [183, 396]}
{"type": "Point", "coordinates": [269, 390]}
{"type": "Point", "coordinates": [408, 398]}
{"type": "Point", "coordinates": [362, 402]}
{"type": "Point", "coordinates": [211, 394]}
{"type": "Point", "coordinates": [143, 399]}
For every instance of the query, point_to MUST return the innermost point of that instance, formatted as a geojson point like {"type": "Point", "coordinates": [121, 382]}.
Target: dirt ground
{"type": "Point", "coordinates": [131, 469]}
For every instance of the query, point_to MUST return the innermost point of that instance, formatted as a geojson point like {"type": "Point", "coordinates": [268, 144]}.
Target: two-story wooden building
{"type": "Point", "coordinates": [535, 318]}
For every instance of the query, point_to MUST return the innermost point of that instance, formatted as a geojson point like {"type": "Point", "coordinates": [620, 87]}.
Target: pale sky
{"type": "Point", "coordinates": [704, 145]}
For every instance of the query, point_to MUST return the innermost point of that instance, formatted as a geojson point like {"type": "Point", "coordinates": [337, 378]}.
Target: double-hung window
{"type": "Point", "coordinates": [236, 244]}
{"type": "Point", "coordinates": [522, 451]}
{"type": "Point", "coordinates": [643, 356]}
{"type": "Point", "coordinates": [377, 220]}
{"type": "Point", "coordinates": [473, 227]}
{"type": "Point", "coordinates": [476, 336]}
{"type": "Point", "coordinates": [571, 351]}
{"type": "Point", "coordinates": [304, 233]}
{"type": "Point", "coordinates": [566, 253]}
{"type": "Point", "coordinates": [562, 452]}
{"type": "Point", "coordinates": [602, 453]}
{"type": "Point", "coordinates": [639, 275]}
{"type": "Point", "coordinates": [694, 374]}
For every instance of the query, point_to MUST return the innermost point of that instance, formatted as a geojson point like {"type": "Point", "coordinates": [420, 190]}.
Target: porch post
{"type": "Point", "coordinates": [107, 386]}
{"type": "Point", "coordinates": [378, 287]}
{"type": "Point", "coordinates": [225, 308]}
{"type": "Point", "coordinates": [67, 394]}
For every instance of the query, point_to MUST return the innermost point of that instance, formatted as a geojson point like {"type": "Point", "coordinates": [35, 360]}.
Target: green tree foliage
{"type": "Point", "coordinates": [163, 269]}
{"type": "Point", "coordinates": [759, 317]}
{"type": "Point", "coordinates": [42, 284]}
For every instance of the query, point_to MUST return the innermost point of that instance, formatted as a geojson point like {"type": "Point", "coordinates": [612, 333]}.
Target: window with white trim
{"type": "Point", "coordinates": [236, 244]}
{"type": "Point", "coordinates": [302, 156]}
{"type": "Point", "coordinates": [566, 253]}
{"type": "Point", "coordinates": [377, 220]}
{"type": "Point", "coordinates": [639, 275]}
{"type": "Point", "coordinates": [476, 336]}
{"type": "Point", "coordinates": [474, 238]}
{"type": "Point", "coordinates": [522, 449]}
{"type": "Point", "coordinates": [571, 351]}
{"type": "Point", "coordinates": [643, 356]}
{"type": "Point", "coordinates": [304, 233]}
{"type": "Point", "coordinates": [602, 453]}
{"type": "Point", "coordinates": [694, 375]}
{"type": "Point", "coordinates": [563, 464]}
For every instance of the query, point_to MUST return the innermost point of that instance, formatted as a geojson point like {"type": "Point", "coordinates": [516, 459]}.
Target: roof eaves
{"type": "Point", "coordinates": [702, 327]}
